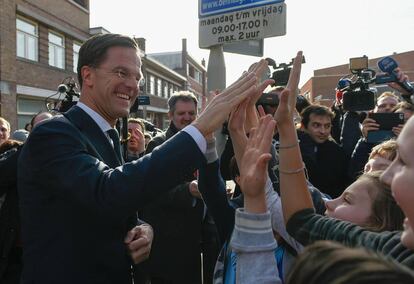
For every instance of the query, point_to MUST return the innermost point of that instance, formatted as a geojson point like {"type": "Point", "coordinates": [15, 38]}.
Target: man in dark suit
{"type": "Point", "coordinates": [77, 202]}
{"type": "Point", "coordinates": [178, 217]}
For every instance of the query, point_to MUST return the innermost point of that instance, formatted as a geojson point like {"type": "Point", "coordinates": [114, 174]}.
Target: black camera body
{"type": "Point", "coordinates": [281, 72]}
{"type": "Point", "coordinates": [358, 100]}
{"type": "Point", "coordinates": [357, 94]}
{"type": "Point", "coordinates": [271, 99]}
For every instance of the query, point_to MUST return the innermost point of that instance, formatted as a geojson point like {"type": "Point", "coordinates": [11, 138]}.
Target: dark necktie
{"type": "Point", "coordinates": [113, 134]}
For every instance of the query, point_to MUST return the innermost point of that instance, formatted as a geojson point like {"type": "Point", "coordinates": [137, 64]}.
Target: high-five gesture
{"type": "Point", "coordinates": [287, 104]}
{"type": "Point", "coordinates": [219, 108]}
{"type": "Point", "coordinates": [253, 168]}
{"type": "Point", "coordinates": [293, 187]}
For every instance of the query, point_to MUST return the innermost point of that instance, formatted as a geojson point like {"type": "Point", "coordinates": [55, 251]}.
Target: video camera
{"type": "Point", "coordinates": [357, 95]}
{"type": "Point", "coordinates": [70, 90]}
{"type": "Point", "coordinates": [281, 73]}
{"type": "Point", "coordinates": [356, 92]}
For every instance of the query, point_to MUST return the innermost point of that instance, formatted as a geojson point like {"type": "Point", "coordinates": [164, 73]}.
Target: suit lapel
{"type": "Point", "coordinates": [94, 136]}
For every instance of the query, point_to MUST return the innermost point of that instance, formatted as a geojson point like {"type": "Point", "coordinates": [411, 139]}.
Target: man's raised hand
{"type": "Point", "coordinates": [219, 108]}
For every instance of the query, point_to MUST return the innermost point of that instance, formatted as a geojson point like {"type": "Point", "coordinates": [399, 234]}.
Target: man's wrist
{"type": "Point", "coordinates": [200, 128]}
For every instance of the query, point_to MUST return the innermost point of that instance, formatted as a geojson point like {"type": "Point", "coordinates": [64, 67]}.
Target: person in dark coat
{"type": "Point", "coordinates": [324, 159]}
{"type": "Point", "coordinates": [182, 228]}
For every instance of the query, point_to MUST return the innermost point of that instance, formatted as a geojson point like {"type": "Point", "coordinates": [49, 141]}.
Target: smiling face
{"type": "Point", "coordinates": [4, 131]}
{"type": "Point", "coordinates": [185, 112]}
{"type": "Point", "coordinates": [400, 176]}
{"type": "Point", "coordinates": [354, 205]}
{"type": "Point", "coordinates": [111, 88]}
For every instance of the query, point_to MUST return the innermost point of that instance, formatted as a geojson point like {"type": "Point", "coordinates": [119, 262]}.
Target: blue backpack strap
{"type": "Point", "coordinates": [279, 253]}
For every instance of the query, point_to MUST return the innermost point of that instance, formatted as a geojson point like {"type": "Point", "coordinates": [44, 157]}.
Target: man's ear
{"type": "Point", "coordinates": [237, 179]}
{"type": "Point", "coordinates": [170, 115]}
{"type": "Point", "coordinates": [87, 74]}
{"type": "Point", "coordinates": [302, 126]}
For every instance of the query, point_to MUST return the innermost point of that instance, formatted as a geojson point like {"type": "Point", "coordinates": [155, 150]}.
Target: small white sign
{"type": "Point", "coordinates": [249, 24]}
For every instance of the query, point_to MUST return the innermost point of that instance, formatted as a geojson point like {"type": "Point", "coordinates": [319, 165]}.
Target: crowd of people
{"type": "Point", "coordinates": [316, 200]}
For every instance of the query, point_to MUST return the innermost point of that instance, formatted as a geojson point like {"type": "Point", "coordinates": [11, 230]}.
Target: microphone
{"type": "Point", "coordinates": [388, 65]}
{"type": "Point", "coordinates": [62, 88]}
{"type": "Point", "coordinates": [343, 83]}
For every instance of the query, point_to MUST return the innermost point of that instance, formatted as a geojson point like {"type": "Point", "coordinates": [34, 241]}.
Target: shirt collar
{"type": "Point", "coordinates": [99, 120]}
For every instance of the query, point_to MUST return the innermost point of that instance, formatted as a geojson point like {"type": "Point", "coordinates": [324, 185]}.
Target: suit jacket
{"type": "Point", "coordinates": [176, 217]}
{"type": "Point", "coordinates": [76, 199]}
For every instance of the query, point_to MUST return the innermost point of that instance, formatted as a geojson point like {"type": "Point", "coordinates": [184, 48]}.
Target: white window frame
{"type": "Point", "coordinates": [152, 85]}
{"type": "Point", "coordinates": [75, 60]}
{"type": "Point", "coordinates": [159, 87]}
{"type": "Point", "coordinates": [55, 48]}
{"type": "Point", "coordinates": [165, 90]}
{"type": "Point", "coordinates": [26, 38]}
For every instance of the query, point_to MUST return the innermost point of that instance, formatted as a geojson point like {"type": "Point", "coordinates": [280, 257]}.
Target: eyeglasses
{"type": "Point", "coordinates": [125, 75]}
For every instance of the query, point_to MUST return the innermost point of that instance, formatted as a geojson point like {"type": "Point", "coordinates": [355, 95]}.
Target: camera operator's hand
{"type": "Point", "coordinates": [401, 78]}
{"type": "Point", "coordinates": [397, 130]}
{"type": "Point", "coordinates": [369, 125]}
{"type": "Point", "coordinates": [193, 188]}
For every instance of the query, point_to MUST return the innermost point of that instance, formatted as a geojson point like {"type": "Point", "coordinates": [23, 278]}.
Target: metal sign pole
{"type": "Point", "coordinates": [216, 69]}
{"type": "Point", "coordinates": [216, 74]}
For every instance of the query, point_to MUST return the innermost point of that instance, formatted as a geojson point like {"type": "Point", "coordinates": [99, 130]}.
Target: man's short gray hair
{"type": "Point", "coordinates": [184, 96]}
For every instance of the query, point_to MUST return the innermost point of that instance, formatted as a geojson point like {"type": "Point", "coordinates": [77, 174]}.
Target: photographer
{"type": "Point", "coordinates": [385, 104]}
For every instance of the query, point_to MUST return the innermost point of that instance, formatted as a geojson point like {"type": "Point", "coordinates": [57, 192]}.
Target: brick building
{"type": "Point", "coordinates": [161, 82]}
{"type": "Point", "coordinates": [322, 85]}
{"type": "Point", "coordinates": [39, 41]}
{"type": "Point", "coordinates": [183, 63]}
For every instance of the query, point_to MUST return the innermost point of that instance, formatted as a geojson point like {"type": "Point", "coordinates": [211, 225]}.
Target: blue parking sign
{"type": "Point", "coordinates": [215, 7]}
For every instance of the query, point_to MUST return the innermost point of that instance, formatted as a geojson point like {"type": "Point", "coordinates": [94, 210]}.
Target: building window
{"type": "Point", "coordinates": [191, 71]}
{"type": "Point", "coordinates": [199, 77]}
{"type": "Point", "coordinates": [82, 3]}
{"type": "Point", "coordinates": [76, 48]}
{"type": "Point", "coordinates": [159, 87]}
{"type": "Point", "coordinates": [152, 85]}
{"type": "Point", "coordinates": [26, 41]}
{"type": "Point", "coordinates": [27, 108]}
{"type": "Point", "coordinates": [56, 50]}
{"type": "Point", "coordinates": [165, 92]}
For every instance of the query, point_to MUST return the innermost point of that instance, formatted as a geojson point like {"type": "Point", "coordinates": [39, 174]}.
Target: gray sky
{"type": "Point", "coordinates": [328, 31]}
